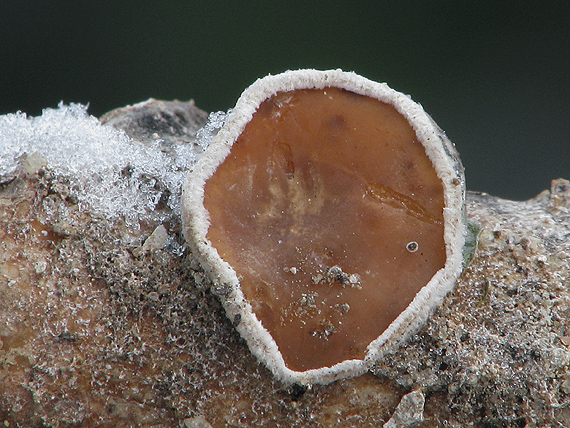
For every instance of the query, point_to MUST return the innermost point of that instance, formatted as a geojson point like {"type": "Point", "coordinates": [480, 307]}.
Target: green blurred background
{"type": "Point", "coordinates": [494, 75]}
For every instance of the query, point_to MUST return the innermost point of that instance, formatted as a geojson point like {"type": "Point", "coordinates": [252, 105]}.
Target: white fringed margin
{"type": "Point", "coordinates": [195, 220]}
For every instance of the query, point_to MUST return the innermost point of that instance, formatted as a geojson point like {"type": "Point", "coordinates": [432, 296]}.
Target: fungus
{"type": "Point", "coordinates": [331, 209]}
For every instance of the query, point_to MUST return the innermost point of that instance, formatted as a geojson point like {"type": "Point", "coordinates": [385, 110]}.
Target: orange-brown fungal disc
{"type": "Point", "coordinates": [331, 208]}
{"type": "Point", "coordinates": [314, 207]}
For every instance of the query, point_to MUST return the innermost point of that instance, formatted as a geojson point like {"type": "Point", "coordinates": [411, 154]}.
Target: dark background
{"type": "Point", "coordinates": [494, 75]}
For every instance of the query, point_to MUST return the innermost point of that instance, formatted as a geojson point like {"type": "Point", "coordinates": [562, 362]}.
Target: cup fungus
{"type": "Point", "coordinates": [329, 212]}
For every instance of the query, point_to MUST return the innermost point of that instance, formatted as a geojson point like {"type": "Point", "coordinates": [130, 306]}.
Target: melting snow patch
{"type": "Point", "coordinates": [112, 175]}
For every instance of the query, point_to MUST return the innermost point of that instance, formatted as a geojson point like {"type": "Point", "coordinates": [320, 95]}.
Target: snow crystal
{"type": "Point", "coordinates": [112, 175]}
{"type": "Point", "coordinates": [206, 134]}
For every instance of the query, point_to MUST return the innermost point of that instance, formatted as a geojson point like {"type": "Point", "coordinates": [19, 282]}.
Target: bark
{"type": "Point", "coordinates": [105, 325]}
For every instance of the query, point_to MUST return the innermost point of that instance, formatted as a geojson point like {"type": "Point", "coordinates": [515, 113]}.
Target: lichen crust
{"type": "Point", "coordinates": [196, 221]}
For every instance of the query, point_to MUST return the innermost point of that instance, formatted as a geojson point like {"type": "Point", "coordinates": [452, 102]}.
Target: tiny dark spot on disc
{"type": "Point", "coordinates": [338, 121]}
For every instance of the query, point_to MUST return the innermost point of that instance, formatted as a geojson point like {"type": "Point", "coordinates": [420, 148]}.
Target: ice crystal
{"type": "Point", "coordinates": [112, 175]}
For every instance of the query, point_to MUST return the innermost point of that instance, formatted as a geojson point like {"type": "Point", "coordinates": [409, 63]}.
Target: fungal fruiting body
{"type": "Point", "coordinates": [330, 211]}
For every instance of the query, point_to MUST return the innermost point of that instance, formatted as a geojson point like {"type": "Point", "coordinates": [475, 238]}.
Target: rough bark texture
{"type": "Point", "coordinates": [98, 332]}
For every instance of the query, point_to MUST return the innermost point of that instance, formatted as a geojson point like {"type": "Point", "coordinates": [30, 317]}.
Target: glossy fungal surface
{"type": "Point", "coordinates": [329, 209]}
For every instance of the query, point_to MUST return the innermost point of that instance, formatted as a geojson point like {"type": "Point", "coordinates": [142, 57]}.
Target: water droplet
{"type": "Point", "coordinates": [412, 247]}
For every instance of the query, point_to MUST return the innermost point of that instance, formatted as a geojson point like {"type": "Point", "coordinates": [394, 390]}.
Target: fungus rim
{"type": "Point", "coordinates": [195, 218]}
